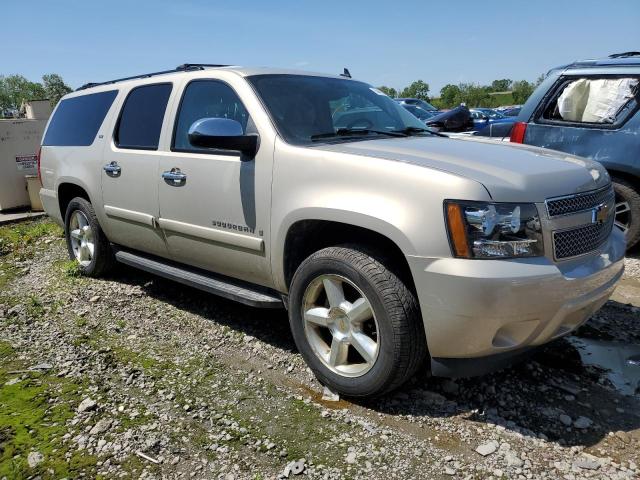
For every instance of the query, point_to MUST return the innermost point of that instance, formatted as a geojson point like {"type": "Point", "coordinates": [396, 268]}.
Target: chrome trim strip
{"type": "Point", "coordinates": [230, 238]}
{"type": "Point", "coordinates": [576, 195]}
{"type": "Point", "coordinates": [130, 215]}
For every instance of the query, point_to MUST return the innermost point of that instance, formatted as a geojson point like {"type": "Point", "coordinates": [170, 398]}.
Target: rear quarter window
{"type": "Point", "coordinates": [77, 120]}
{"type": "Point", "coordinates": [601, 102]}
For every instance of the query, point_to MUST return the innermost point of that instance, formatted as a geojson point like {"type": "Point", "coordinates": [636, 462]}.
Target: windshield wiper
{"type": "Point", "coordinates": [352, 132]}
{"type": "Point", "coordinates": [413, 130]}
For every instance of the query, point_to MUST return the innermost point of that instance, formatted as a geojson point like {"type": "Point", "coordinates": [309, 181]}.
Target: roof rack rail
{"type": "Point", "coordinates": [625, 55]}
{"type": "Point", "coordinates": [198, 66]}
{"type": "Point", "coordinates": [185, 67]}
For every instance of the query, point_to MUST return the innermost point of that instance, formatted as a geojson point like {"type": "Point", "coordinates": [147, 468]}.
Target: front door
{"type": "Point", "coordinates": [130, 171]}
{"type": "Point", "coordinates": [214, 204]}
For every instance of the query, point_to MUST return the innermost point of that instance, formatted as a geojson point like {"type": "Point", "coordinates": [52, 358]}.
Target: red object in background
{"type": "Point", "coordinates": [38, 158]}
{"type": "Point", "coordinates": [518, 131]}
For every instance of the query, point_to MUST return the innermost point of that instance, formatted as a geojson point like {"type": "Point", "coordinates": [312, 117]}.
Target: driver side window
{"type": "Point", "coordinates": [206, 99]}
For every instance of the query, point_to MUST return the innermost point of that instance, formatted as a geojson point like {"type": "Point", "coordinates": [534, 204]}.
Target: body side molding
{"type": "Point", "coordinates": [231, 238]}
{"type": "Point", "coordinates": [130, 215]}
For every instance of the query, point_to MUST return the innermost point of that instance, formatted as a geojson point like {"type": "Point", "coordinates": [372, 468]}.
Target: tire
{"type": "Point", "coordinates": [627, 194]}
{"type": "Point", "coordinates": [401, 345]}
{"type": "Point", "coordinates": [101, 259]}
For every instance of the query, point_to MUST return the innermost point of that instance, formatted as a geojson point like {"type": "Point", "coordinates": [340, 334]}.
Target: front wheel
{"type": "Point", "coordinates": [627, 210]}
{"type": "Point", "coordinates": [355, 322]}
{"type": "Point", "coordinates": [86, 242]}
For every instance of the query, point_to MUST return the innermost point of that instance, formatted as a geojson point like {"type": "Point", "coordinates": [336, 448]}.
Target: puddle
{"type": "Point", "coordinates": [328, 404]}
{"type": "Point", "coordinates": [627, 291]}
{"type": "Point", "coordinates": [620, 361]}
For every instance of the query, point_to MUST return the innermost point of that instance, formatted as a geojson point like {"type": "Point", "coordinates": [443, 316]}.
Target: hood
{"type": "Point", "coordinates": [509, 172]}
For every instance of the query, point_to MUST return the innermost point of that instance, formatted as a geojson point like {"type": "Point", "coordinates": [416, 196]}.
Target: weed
{"type": "Point", "coordinates": [70, 268]}
{"type": "Point", "coordinates": [34, 307]}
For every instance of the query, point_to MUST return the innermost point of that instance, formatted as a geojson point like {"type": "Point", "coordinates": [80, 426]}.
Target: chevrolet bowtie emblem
{"type": "Point", "coordinates": [600, 213]}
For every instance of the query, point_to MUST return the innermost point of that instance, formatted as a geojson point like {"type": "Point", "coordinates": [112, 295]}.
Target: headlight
{"type": "Point", "coordinates": [493, 230]}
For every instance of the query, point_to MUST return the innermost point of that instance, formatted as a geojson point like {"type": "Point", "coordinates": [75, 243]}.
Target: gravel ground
{"type": "Point", "coordinates": [133, 376]}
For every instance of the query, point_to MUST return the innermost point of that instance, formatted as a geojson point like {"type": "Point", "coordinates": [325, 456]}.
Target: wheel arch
{"type": "Point", "coordinates": [305, 236]}
{"type": "Point", "coordinates": [67, 191]}
{"type": "Point", "coordinates": [634, 180]}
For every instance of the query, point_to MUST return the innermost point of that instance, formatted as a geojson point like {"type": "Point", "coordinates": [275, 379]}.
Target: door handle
{"type": "Point", "coordinates": [174, 177]}
{"type": "Point", "coordinates": [112, 169]}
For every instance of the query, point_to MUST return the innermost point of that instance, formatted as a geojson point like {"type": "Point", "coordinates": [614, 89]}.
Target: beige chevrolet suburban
{"type": "Point", "coordinates": [387, 243]}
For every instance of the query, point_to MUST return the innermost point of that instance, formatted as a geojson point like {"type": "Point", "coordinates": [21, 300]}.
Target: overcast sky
{"type": "Point", "coordinates": [384, 43]}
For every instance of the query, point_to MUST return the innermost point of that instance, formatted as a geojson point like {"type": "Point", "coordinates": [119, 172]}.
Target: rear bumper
{"type": "Point", "coordinates": [476, 309]}
{"type": "Point", "coordinates": [51, 205]}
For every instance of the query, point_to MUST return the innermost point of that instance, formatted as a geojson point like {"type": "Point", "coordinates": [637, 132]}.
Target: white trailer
{"type": "Point", "coordinates": [19, 143]}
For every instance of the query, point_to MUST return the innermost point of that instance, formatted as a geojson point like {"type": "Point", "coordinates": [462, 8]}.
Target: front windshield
{"type": "Point", "coordinates": [419, 112]}
{"type": "Point", "coordinates": [309, 109]}
{"type": "Point", "coordinates": [425, 105]}
{"type": "Point", "coordinates": [492, 113]}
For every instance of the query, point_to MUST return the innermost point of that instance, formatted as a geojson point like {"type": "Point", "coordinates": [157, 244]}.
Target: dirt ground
{"type": "Point", "coordinates": [133, 376]}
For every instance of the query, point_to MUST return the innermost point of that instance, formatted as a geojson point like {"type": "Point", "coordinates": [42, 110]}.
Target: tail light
{"type": "Point", "coordinates": [38, 160]}
{"type": "Point", "coordinates": [518, 131]}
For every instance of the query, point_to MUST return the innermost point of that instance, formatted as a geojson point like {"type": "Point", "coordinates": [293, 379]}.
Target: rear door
{"type": "Point", "coordinates": [130, 170]}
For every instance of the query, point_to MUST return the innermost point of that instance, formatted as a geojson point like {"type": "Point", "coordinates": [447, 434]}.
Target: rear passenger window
{"type": "Point", "coordinates": [600, 101]}
{"type": "Point", "coordinates": [77, 120]}
{"type": "Point", "coordinates": [206, 99]}
{"type": "Point", "coordinates": [141, 117]}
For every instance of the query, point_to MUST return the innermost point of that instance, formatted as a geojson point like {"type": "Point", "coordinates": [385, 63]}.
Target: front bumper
{"type": "Point", "coordinates": [479, 309]}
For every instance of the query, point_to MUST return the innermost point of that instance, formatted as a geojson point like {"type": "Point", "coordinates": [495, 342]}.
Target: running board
{"type": "Point", "coordinates": [238, 291]}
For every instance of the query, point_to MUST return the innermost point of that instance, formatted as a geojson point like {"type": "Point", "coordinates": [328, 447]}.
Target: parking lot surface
{"type": "Point", "coordinates": [136, 376]}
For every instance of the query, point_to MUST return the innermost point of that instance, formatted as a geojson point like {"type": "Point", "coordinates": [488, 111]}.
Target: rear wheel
{"type": "Point", "coordinates": [355, 322]}
{"type": "Point", "coordinates": [86, 242]}
{"type": "Point", "coordinates": [627, 210]}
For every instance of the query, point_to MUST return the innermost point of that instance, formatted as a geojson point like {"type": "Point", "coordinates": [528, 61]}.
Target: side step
{"type": "Point", "coordinates": [238, 291]}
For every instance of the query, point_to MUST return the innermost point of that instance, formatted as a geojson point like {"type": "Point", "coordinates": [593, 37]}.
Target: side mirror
{"type": "Point", "coordinates": [224, 134]}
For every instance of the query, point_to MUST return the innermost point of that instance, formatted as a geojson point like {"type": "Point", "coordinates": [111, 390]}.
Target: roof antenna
{"type": "Point", "coordinates": [346, 73]}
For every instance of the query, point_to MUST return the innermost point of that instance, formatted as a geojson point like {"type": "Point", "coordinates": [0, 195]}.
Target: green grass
{"type": "Point", "coordinates": [16, 238]}
{"type": "Point", "coordinates": [8, 272]}
{"type": "Point", "coordinates": [500, 99]}
{"type": "Point", "coordinates": [18, 241]}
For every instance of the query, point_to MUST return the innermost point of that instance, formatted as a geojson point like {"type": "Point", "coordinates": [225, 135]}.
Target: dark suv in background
{"type": "Point", "coordinates": [591, 109]}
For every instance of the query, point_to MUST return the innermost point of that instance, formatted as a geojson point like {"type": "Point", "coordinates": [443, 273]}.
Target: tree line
{"type": "Point", "coordinates": [500, 92]}
{"type": "Point", "coordinates": [16, 89]}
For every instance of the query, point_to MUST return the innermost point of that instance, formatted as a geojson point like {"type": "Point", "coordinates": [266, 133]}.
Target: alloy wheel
{"type": "Point", "coordinates": [623, 214]}
{"type": "Point", "coordinates": [82, 240]}
{"type": "Point", "coordinates": [340, 325]}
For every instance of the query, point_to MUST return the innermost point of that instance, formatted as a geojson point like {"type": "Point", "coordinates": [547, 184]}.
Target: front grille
{"type": "Point", "coordinates": [581, 240]}
{"type": "Point", "coordinates": [579, 202]}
